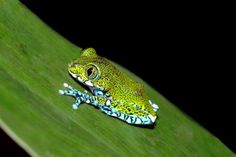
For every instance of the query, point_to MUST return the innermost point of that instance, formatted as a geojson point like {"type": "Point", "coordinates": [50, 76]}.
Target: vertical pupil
{"type": "Point", "coordinates": [90, 71]}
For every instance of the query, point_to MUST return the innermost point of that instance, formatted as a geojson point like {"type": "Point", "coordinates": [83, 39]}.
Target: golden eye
{"type": "Point", "coordinates": [92, 72]}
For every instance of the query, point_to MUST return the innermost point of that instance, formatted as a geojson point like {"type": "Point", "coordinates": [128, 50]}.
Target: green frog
{"type": "Point", "coordinates": [113, 92]}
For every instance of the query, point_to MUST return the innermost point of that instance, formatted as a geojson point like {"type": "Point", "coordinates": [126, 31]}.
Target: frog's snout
{"type": "Point", "coordinates": [72, 68]}
{"type": "Point", "coordinates": [71, 65]}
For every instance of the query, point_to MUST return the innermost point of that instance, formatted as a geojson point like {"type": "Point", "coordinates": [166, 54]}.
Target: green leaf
{"type": "Point", "coordinates": [33, 66]}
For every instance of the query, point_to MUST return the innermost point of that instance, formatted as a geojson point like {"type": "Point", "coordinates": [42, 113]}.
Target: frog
{"type": "Point", "coordinates": [111, 91]}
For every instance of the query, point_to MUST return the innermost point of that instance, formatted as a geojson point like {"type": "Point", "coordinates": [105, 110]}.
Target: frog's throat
{"type": "Point", "coordinates": [87, 83]}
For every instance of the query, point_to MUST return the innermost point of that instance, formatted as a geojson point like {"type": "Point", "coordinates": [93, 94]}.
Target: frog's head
{"type": "Point", "coordinates": [88, 70]}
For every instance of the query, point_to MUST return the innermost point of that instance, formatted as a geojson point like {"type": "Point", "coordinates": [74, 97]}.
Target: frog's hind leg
{"type": "Point", "coordinates": [154, 106]}
{"type": "Point", "coordinates": [130, 119]}
{"type": "Point", "coordinates": [110, 111]}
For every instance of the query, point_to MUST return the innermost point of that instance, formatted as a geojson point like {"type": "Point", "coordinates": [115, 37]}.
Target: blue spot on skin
{"type": "Point", "coordinates": [95, 102]}
{"type": "Point", "coordinates": [78, 92]}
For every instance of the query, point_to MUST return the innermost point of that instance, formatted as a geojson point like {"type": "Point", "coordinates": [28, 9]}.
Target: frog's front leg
{"type": "Point", "coordinates": [79, 96]}
{"type": "Point", "coordinates": [71, 92]}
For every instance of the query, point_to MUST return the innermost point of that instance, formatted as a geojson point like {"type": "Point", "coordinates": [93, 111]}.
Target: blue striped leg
{"type": "Point", "coordinates": [70, 92]}
{"type": "Point", "coordinates": [79, 96]}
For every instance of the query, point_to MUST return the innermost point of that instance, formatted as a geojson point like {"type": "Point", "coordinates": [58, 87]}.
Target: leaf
{"type": "Point", "coordinates": [33, 66]}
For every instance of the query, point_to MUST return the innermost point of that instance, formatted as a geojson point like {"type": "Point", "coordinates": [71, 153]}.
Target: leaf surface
{"type": "Point", "coordinates": [33, 66]}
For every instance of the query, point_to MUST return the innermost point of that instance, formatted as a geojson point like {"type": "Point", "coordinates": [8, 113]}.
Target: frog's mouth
{"type": "Point", "coordinates": [96, 90]}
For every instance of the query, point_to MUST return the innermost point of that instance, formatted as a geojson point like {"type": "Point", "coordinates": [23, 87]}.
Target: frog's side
{"type": "Point", "coordinates": [113, 92]}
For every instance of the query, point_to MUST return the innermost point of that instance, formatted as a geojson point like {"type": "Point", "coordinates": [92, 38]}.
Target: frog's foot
{"type": "Point", "coordinates": [79, 96]}
{"type": "Point", "coordinates": [76, 104]}
{"type": "Point", "coordinates": [70, 92]}
{"type": "Point", "coordinates": [68, 86]}
{"type": "Point", "coordinates": [67, 92]}
{"type": "Point", "coordinates": [154, 106]}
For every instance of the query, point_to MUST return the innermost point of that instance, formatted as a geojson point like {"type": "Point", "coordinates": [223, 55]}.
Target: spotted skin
{"type": "Point", "coordinates": [113, 92]}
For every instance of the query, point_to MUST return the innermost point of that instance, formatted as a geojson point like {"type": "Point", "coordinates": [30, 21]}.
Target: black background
{"type": "Point", "coordinates": [181, 50]}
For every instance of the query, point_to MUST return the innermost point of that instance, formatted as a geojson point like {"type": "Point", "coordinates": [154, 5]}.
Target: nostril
{"type": "Point", "coordinates": [72, 65]}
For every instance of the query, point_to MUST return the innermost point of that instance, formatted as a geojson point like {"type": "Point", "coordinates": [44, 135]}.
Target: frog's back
{"type": "Point", "coordinates": [130, 97]}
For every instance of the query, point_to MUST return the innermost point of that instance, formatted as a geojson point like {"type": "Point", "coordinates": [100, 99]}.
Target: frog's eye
{"type": "Point", "coordinates": [92, 72]}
